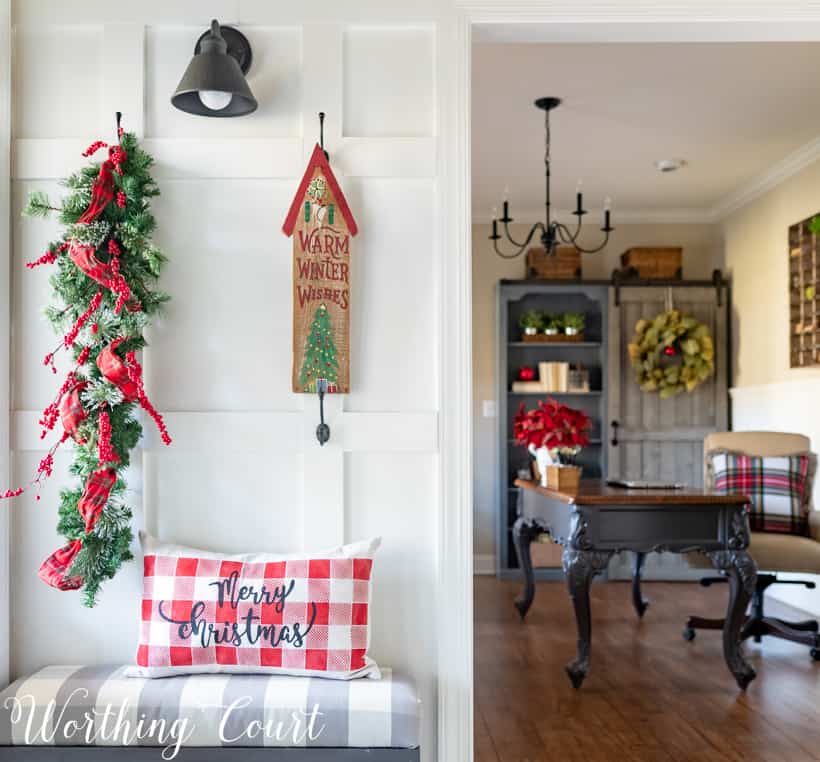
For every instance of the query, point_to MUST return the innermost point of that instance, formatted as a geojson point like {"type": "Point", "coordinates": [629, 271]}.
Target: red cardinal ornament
{"type": "Point", "coordinates": [102, 192]}
{"type": "Point", "coordinates": [53, 569]}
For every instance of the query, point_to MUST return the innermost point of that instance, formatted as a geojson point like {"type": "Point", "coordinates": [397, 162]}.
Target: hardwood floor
{"type": "Point", "coordinates": [649, 694]}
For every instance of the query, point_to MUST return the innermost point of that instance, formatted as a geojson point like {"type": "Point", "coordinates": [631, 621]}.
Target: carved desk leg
{"type": "Point", "coordinates": [742, 572]}
{"type": "Point", "coordinates": [524, 531]}
{"type": "Point", "coordinates": [580, 566]}
{"type": "Point", "coordinates": [638, 601]}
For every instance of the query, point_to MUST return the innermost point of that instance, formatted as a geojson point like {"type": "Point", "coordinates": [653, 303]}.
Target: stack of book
{"type": "Point", "coordinates": [552, 377]}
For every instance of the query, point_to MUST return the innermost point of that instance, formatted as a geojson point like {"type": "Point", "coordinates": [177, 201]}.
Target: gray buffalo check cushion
{"type": "Point", "coordinates": [99, 706]}
{"type": "Point", "coordinates": [779, 488]}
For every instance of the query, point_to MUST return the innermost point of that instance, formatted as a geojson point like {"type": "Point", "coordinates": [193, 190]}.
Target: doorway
{"type": "Point", "coordinates": [517, 664]}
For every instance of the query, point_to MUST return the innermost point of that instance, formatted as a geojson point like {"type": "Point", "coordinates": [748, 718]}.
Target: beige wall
{"type": "Point", "coordinates": [702, 254]}
{"type": "Point", "coordinates": [756, 250]}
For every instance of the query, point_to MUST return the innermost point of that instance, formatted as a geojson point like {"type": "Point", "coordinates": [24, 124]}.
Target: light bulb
{"type": "Point", "coordinates": [607, 204]}
{"type": "Point", "coordinates": [579, 186]}
{"type": "Point", "coordinates": [215, 100]}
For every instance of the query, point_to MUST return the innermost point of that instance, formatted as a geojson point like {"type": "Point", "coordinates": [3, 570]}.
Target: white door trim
{"type": "Point", "coordinates": [700, 21]}
{"type": "Point", "coordinates": [5, 333]}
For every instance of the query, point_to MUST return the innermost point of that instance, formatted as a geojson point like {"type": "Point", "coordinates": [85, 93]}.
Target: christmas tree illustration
{"type": "Point", "coordinates": [320, 353]}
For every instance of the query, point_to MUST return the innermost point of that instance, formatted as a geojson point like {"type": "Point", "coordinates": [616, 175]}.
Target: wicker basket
{"type": "Point", "coordinates": [653, 263]}
{"type": "Point", "coordinates": [564, 264]}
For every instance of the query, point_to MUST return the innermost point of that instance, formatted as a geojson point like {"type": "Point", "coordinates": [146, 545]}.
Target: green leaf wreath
{"type": "Point", "coordinates": [671, 353]}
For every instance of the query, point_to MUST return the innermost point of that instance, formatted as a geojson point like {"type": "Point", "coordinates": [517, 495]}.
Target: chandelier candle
{"type": "Point", "coordinates": [553, 233]}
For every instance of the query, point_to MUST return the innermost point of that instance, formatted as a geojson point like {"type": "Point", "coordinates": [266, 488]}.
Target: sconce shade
{"type": "Point", "coordinates": [217, 73]}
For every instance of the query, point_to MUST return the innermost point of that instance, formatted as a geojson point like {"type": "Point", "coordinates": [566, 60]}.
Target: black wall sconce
{"type": "Point", "coordinates": [214, 82]}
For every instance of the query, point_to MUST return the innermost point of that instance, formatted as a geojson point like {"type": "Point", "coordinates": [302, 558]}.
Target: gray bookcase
{"type": "Point", "coordinates": [653, 439]}
{"type": "Point", "coordinates": [514, 298]}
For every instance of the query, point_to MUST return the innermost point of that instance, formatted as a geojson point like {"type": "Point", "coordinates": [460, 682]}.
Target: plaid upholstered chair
{"type": "Point", "coordinates": [793, 546]}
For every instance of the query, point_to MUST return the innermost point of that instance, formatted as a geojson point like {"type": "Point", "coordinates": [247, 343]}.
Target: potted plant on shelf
{"type": "Point", "coordinates": [553, 325]}
{"type": "Point", "coordinates": [553, 434]}
{"type": "Point", "coordinates": [574, 323]}
{"type": "Point", "coordinates": [531, 322]}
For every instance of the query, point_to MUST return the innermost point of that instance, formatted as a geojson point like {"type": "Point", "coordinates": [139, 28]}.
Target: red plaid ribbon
{"type": "Point", "coordinates": [95, 496]}
{"type": "Point", "coordinates": [53, 569]}
{"type": "Point", "coordinates": [102, 191]}
{"type": "Point", "coordinates": [72, 412]}
{"type": "Point", "coordinates": [116, 371]}
{"type": "Point", "coordinates": [85, 258]}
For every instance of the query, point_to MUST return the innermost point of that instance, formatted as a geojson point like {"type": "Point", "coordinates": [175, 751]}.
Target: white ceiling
{"type": "Point", "coordinates": [731, 110]}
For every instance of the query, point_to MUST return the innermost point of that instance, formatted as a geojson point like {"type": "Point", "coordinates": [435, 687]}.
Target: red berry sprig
{"type": "Point", "coordinates": [93, 306]}
{"type": "Point", "coordinates": [94, 147]}
{"type": "Point", "coordinates": [105, 450]}
{"type": "Point", "coordinates": [121, 199]}
{"type": "Point", "coordinates": [52, 412]}
{"type": "Point", "coordinates": [118, 284]}
{"type": "Point", "coordinates": [118, 158]}
{"type": "Point", "coordinates": [135, 375]}
{"type": "Point", "coordinates": [47, 259]}
{"type": "Point", "coordinates": [44, 470]}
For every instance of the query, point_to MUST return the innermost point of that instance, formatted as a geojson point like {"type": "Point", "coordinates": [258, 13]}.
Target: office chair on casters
{"type": "Point", "coordinates": [771, 551]}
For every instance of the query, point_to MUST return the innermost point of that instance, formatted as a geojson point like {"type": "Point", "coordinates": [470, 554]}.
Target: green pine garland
{"type": "Point", "coordinates": [107, 546]}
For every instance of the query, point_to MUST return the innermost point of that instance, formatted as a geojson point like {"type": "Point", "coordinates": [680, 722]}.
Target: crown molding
{"type": "Point", "coordinates": [745, 194]}
{"type": "Point", "coordinates": [796, 161]}
{"type": "Point", "coordinates": [682, 216]}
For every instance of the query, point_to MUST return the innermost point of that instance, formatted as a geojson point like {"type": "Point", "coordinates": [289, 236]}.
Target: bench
{"type": "Point", "coordinates": [71, 713]}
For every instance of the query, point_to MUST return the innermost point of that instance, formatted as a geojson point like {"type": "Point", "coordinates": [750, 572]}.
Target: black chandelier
{"type": "Point", "coordinates": [553, 232]}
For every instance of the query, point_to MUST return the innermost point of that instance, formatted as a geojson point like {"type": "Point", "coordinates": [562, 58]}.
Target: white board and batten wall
{"type": "Point", "coordinates": [245, 471]}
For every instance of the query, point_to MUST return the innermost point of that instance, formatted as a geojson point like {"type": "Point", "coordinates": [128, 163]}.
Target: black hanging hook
{"type": "Point", "coordinates": [322, 133]}
{"type": "Point", "coordinates": [322, 430]}
{"type": "Point", "coordinates": [119, 119]}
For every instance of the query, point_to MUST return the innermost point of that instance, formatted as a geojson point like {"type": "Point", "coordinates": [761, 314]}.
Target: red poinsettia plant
{"type": "Point", "coordinates": [563, 430]}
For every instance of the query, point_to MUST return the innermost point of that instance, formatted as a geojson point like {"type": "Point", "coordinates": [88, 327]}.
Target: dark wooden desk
{"type": "Point", "coordinates": [600, 520]}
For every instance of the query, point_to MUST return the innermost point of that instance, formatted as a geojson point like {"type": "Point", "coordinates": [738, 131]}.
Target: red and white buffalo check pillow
{"type": "Point", "coordinates": [306, 614]}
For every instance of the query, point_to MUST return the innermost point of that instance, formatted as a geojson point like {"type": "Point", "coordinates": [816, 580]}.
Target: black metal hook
{"type": "Point", "coordinates": [322, 430]}
{"type": "Point", "coordinates": [119, 119]}
{"type": "Point", "coordinates": [322, 134]}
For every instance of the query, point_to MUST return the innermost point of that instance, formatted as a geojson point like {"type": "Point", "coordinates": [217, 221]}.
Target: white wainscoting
{"type": "Point", "coordinates": [245, 471]}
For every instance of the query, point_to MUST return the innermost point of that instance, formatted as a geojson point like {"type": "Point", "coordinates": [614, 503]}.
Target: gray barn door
{"type": "Point", "coordinates": [655, 438]}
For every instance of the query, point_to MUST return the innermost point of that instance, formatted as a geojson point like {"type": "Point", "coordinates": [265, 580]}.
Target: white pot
{"type": "Point", "coordinates": [530, 331]}
{"type": "Point", "coordinates": [551, 331]}
{"type": "Point", "coordinates": [571, 331]}
{"type": "Point", "coordinates": [543, 459]}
